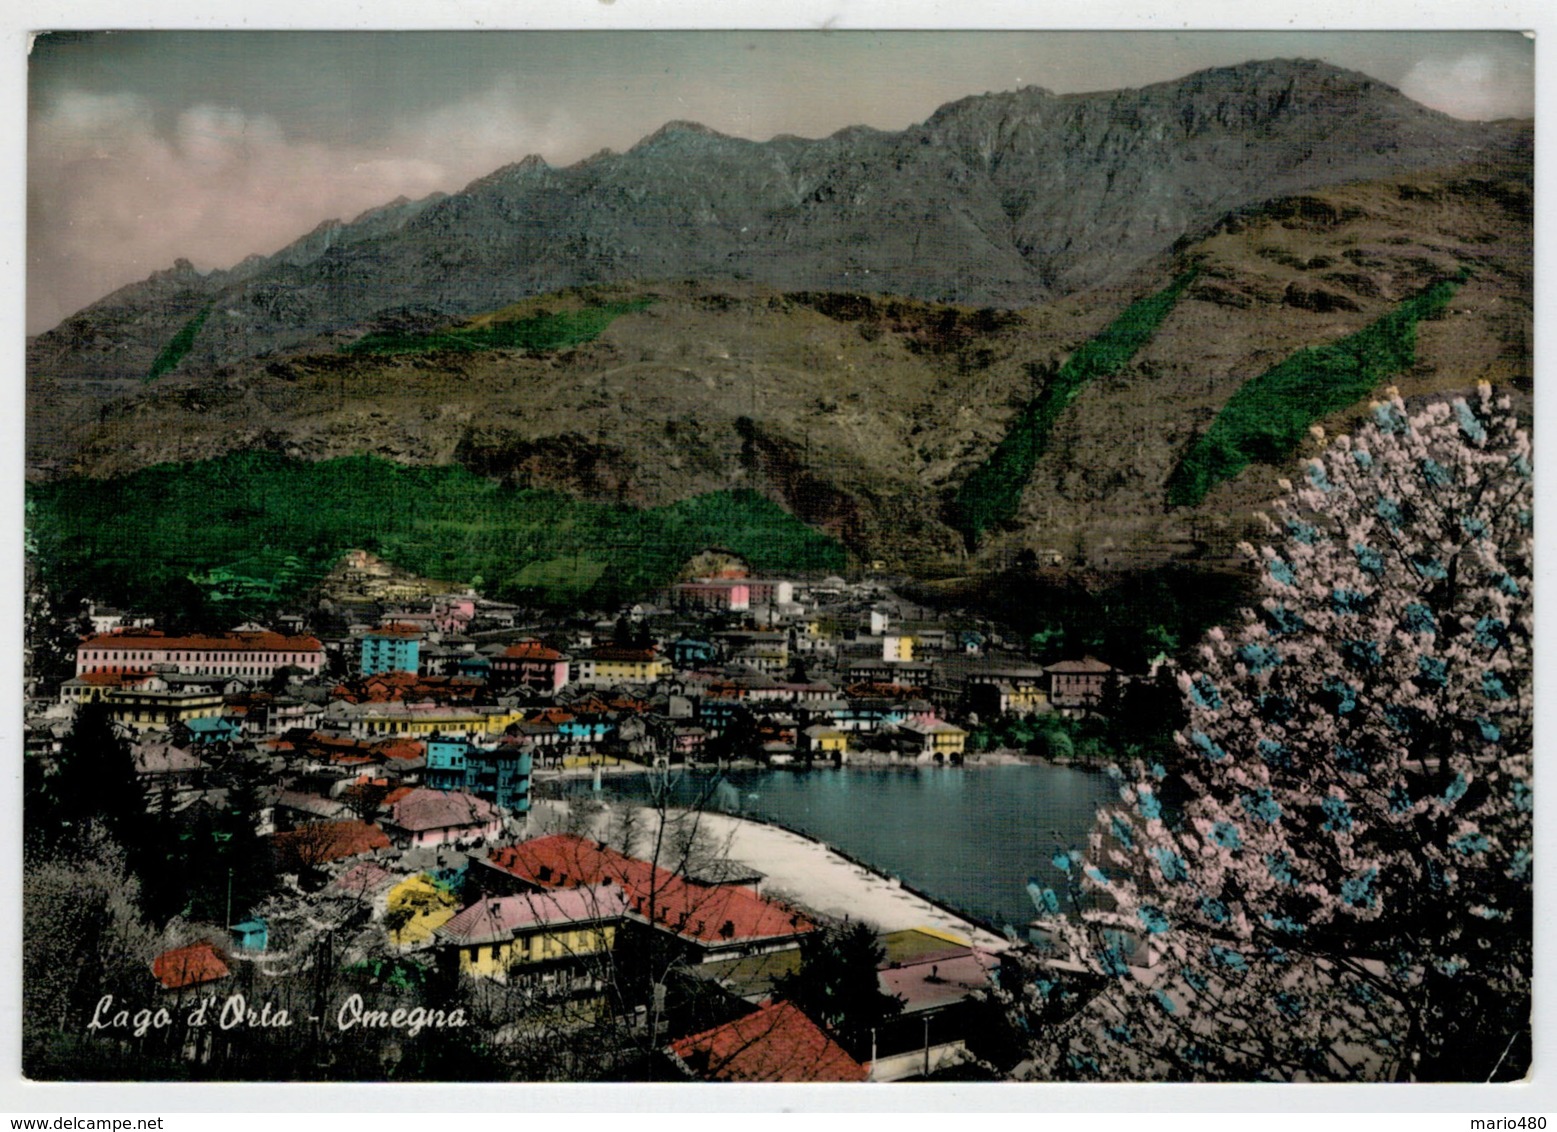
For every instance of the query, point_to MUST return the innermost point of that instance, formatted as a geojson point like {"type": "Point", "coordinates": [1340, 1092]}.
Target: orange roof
{"type": "Point", "coordinates": [403, 749]}
{"type": "Point", "coordinates": [322, 842]}
{"type": "Point", "coordinates": [711, 914]}
{"type": "Point", "coordinates": [113, 677]}
{"type": "Point", "coordinates": [189, 966]}
{"type": "Point", "coordinates": [228, 642]}
{"type": "Point", "coordinates": [395, 631]}
{"type": "Point", "coordinates": [775, 1043]}
{"type": "Point", "coordinates": [531, 650]}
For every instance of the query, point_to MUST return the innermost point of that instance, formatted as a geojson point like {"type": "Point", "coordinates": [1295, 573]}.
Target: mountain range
{"type": "Point", "coordinates": [848, 324]}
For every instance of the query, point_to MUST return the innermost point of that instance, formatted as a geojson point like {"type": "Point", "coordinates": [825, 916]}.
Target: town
{"type": "Point", "coordinates": [419, 771]}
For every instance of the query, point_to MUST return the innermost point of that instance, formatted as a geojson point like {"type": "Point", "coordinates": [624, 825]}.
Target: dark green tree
{"type": "Point", "coordinates": [837, 983]}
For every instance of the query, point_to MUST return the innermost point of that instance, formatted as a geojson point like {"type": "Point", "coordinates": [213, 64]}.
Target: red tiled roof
{"type": "Point", "coordinates": [1090, 665]}
{"type": "Point", "coordinates": [402, 749]}
{"type": "Point", "coordinates": [230, 642]}
{"type": "Point", "coordinates": [709, 914]}
{"type": "Point", "coordinates": [424, 809]}
{"type": "Point", "coordinates": [531, 650]}
{"type": "Point", "coordinates": [396, 631]}
{"type": "Point", "coordinates": [189, 966]}
{"type": "Point", "coordinates": [396, 794]}
{"type": "Point", "coordinates": [331, 841]}
{"type": "Point", "coordinates": [776, 1043]}
{"type": "Point", "coordinates": [113, 678]}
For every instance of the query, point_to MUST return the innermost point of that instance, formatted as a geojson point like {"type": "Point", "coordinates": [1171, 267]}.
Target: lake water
{"type": "Point", "coordinates": [967, 837]}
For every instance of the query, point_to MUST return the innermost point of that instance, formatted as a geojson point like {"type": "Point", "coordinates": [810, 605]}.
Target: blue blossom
{"type": "Point", "coordinates": [1388, 510]}
{"type": "Point", "coordinates": [1418, 618]}
{"type": "Point", "coordinates": [1389, 418]}
{"type": "Point", "coordinates": [1519, 865]}
{"type": "Point", "coordinates": [1491, 633]}
{"type": "Point", "coordinates": [1284, 924]}
{"type": "Point", "coordinates": [1113, 961]}
{"type": "Point", "coordinates": [1158, 771]}
{"type": "Point", "coordinates": [1358, 890]}
{"type": "Point", "coordinates": [1225, 834]}
{"type": "Point", "coordinates": [1362, 458]}
{"type": "Point", "coordinates": [1095, 875]}
{"type": "Point", "coordinates": [1489, 730]}
{"type": "Point", "coordinates": [1290, 1005]}
{"type": "Point", "coordinates": [1474, 527]}
{"type": "Point", "coordinates": [1226, 957]}
{"type": "Point", "coordinates": [1282, 621]}
{"type": "Point", "coordinates": [1469, 844]}
{"type": "Point", "coordinates": [1451, 967]}
{"type": "Point", "coordinates": [1207, 745]}
{"type": "Point", "coordinates": [1261, 806]}
{"type": "Point", "coordinates": [1121, 831]}
{"type": "Point", "coordinates": [1213, 910]}
{"type": "Point", "coordinates": [1156, 923]}
{"type": "Point", "coordinates": [1349, 603]}
{"type": "Point", "coordinates": [1360, 655]}
{"type": "Point", "coordinates": [1171, 864]}
{"type": "Point", "coordinates": [1361, 993]}
{"type": "Point", "coordinates": [1204, 693]}
{"type": "Point", "coordinates": [1275, 754]}
{"type": "Point", "coordinates": [1282, 572]}
{"type": "Point", "coordinates": [1150, 808]}
{"type": "Point", "coordinates": [1350, 761]}
{"type": "Point", "coordinates": [1164, 1001]}
{"type": "Point", "coordinates": [1061, 861]}
{"type": "Point", "coordinates": [1399, 800]}
{"type": "Point", "coordinates": [1121, 1034]}
{"type": "Point", "coordinates": [1508, 585]}
{"type": "Point", "coordinates": [1258, 657]}
{"type": "Point", "coordinates": [1305, 533]}
{"type": "Point", "coordinates": [1469, 425]}
{"type": "Point", "coordinates": [1492, 686]}
{"type": "Point", "coordinates": [1369, 559]}
{"type": "Point", "coordinates": [1338, 816]}
{"type": "Point", "coordinates": [1455, 790]}
{"type": "Point", "coordinates": [1194, 978]}
{"type": "Point", "coordinates": [1429, 567]}
{"type": "Point", "coordinates": [1524, 799]}
{"type": "Point", "coordinates": [1431, 672]}
{"type": "Point", "coordinates": [1345, 695]}
{"type": "Point", "coordinates": [1435, 473]}
{"type": "Point", "coordinates": [1279, 865]}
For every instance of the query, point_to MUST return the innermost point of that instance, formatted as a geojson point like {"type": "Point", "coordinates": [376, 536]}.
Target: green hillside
{"type": "Point", "coordinates": [1269, 415]}
{"type": "Point", "coordinates": [992, 492]}
{"type": "Point", "coordinates": [252, 530]}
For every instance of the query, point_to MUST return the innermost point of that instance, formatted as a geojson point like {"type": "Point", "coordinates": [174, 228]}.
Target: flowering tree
{"type": "Point", "coordinates": [1332, 882]}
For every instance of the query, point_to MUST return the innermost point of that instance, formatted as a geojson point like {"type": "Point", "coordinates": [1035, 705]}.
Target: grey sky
{"type": "Point", "coordinates": [147, 146]}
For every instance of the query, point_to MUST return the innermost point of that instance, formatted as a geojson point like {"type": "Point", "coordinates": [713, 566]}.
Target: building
{"type": "Point", "coordinates": [931, 740]}
{"type": "Point", "coordinates": [530, 665]}
{"type": "Point", "coordinates": [436, 817]}
{"type": "Point", "coordinates": [713, 595]}
{"type": "Point", "coordinates": [610, 665]}
{"type": "Point", "coordinates": [551, 941]}
{"type": "Point", "coordinates": [500, 774]}
{"type": "Point", "coordinates": [151, 705]}
{"type": "Point", "coordinates": [712, 916]}
{"type": "Point", "coordinates": [775, 1043]}
{"type": "Point", "coordinates": [1079, 683]}
{"type": "Point", "coordinates": [391, 648]}
{"type": "Point", "coordinates": [255, 655]}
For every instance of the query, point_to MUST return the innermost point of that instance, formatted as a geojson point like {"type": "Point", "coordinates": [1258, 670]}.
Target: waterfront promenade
{"type": "Point", "coordinates": [808, 873]}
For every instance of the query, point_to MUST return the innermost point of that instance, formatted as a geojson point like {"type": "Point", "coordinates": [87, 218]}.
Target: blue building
{"type": "Point", "coordinates": [500, 775]}
{"type": "Point", "coordinates": [391, 648]}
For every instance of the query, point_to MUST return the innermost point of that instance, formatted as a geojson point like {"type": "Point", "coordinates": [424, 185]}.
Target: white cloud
{"type": "Point", "coordinates": [1473, 85]}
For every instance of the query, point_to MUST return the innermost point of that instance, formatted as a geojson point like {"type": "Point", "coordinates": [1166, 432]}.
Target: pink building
{"type": "Point", "coordinates": [249, 654]}
{"type": "Point", "coordinates": [730, 594]}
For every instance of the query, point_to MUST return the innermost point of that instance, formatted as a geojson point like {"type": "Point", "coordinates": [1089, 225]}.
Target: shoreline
{"type": "Point", "coordinates": [827, 881]}
{"type": "Point", "coordinates": [866, 760]}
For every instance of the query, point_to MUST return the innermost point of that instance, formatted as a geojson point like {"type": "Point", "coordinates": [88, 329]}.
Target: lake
{"type": "Point", "coordinates": [967, 837]}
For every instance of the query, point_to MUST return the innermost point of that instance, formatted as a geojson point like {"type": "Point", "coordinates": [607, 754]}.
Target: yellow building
{"type": "Point", "coordinates": [152, 705]}
{"type": "Point", "coordinates": [408, 719]}
{"type": "Point", "coordinates": [613, 664]}
{"type": "Point", "coordinates": [417, 907]}
{"type": "Point", "coordinates": [553, 939]}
